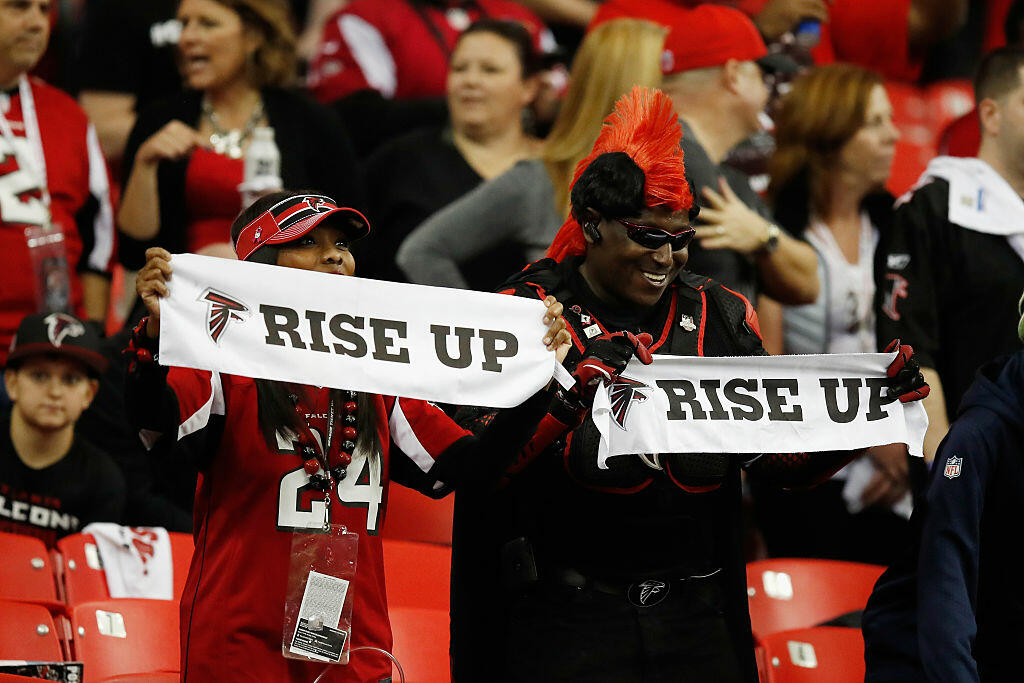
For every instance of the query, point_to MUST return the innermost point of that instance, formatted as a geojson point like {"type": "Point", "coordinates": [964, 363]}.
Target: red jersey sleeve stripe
{"type": "Point", "coordinates": [422, 431]}
{"type": "Point", "coordinates": [200, 395]}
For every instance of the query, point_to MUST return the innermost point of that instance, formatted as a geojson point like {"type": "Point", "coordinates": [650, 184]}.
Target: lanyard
{"type": "Point", "coordinates": [309, 447]}
{"type": "Point", "coordinates": [28, 115]}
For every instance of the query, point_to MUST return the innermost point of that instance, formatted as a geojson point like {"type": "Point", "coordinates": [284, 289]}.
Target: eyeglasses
{"type": "Point", "coordinates": [654, 238]}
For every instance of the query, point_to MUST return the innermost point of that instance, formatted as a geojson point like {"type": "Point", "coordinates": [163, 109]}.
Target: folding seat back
{"type": "Point", "coordinates": [26, 571]}
{"type": "Point", "coordinates": [85, 580]}
{"type": "Point", "coordinates": [27, 632]}
{"type": "Point", "coordinates": [417, 574]}
{"type": "Point", "coordinates": [411, 516]}
{"type": "Point", "coordinates": [126, 636]}
{"type": "Point", "coordinates": [785, 594]}
{"type": "Point", "coordinates": [421, 636]}
{"type": "Point", "coordinates": [825, 653]}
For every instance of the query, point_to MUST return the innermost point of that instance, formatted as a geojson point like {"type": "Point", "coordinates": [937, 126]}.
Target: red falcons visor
{"type": "Point", "coordinates": [292, 218]}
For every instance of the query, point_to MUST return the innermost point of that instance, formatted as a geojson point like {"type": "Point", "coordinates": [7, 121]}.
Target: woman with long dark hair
{"type": "Point", "coordinates": [271, 452]}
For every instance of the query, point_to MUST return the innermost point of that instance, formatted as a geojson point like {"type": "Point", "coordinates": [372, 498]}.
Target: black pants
{"type": "Point", "coordinates": [562, 634]}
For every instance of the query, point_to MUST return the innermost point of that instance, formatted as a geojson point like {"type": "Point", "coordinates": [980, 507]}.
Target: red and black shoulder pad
{"type": "Point", "coordinates": [539, 279]}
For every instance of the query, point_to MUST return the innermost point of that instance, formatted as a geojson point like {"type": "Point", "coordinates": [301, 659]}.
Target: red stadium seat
{"type": "Point", "coordinates": [812, 655]}
{"type": "Point", "coordinates": [421, 643]}
{"type": "Point", "coordinates": [786, 594]}
{"type": "Point", "coordinates": [26, 571]}
{"type": "Point", "coordinates": [27, 632]}
{"type": "Point", "coordinates": [124, 637]}
{"type": "Point", "coordinates": [411, 516]}
{"type": "Point", "coordinates": [151, 677]}
{"type": "Point", "coordinates": [417, 574]}
{"type": "Point", "coordinates": [84, 580]}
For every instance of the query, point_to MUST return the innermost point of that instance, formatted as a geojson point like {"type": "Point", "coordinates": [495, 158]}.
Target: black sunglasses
{"type": "Point", "coordinates": [653, 238]}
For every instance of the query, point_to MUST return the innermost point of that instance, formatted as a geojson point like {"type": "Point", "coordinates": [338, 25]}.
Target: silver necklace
{"type": "Point", "coordinates": [229, 142]}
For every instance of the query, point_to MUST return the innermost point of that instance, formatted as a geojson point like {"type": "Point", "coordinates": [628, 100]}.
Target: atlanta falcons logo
{"type": "Point", "coordinates": [622, 394]}
{"type": "Point", "coordinates": [315, 203]}
{"type": "Point", "coordinates": [61, 325]}
{"type": "Point", "coordinates": [222, 309]}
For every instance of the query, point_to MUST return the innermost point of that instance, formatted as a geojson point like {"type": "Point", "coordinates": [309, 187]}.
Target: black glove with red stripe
{"type": "Point", "coordinates": [605, 357]}
{"type": "Point", "coordinates": [905, 378]}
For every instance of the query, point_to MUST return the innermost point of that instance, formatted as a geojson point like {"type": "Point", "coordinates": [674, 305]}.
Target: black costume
{"type": "Point", "coordinates": [557, 561]}
{"type": "Point", "coordinates": [82, 487]}
{"type": "Point", "coordinates": [948, 291]}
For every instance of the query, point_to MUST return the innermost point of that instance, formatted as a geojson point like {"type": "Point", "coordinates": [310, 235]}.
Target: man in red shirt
{"type": "Point", "coordinates": [56, 225]}
{"type": "Point", "coordinates": [400, 48]}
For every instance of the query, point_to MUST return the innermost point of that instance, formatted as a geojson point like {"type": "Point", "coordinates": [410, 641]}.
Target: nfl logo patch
{"type": "Point", "coordinates": [952, 467]}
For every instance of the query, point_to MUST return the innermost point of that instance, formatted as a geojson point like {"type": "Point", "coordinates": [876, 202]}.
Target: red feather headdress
{"type": "Point", "coordinates": [646, 127]}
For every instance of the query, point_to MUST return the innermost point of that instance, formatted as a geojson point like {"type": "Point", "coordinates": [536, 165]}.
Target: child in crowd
{"type": "Point", "coordinates": [53, 483]}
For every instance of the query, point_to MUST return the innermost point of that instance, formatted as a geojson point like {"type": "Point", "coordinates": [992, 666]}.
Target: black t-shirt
{"type": "Point", "coordinates": [731, 268]}
{"type": "Point", "coordinates": [407, 180]}
{"type": "Point", "coordinates": [82, 487]}
{"type": "Point", "coordinates": [128, 46]}
{"type": "Point", "coordinates": [949, 292]}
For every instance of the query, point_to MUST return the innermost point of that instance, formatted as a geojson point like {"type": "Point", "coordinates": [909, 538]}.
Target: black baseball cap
{"type": "Point", "coordinates": [57, 334]}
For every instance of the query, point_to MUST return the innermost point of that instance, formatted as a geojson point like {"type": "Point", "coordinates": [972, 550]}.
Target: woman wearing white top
{"type": "Point", "coordinates": [835, 144]}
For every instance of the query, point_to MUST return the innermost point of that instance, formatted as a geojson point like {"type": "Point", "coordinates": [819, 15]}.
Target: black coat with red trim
{"type": "Point", "coordinates": [677, 516]}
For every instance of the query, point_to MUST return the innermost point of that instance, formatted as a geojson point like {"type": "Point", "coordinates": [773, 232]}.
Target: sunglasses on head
{"type": "Point", "coordinates": [654, 238]}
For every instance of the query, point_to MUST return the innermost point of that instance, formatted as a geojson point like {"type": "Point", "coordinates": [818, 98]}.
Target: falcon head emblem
{"type": "Point", "coordinates": [61, 325]}
{"type": "Point", "coordinates": [315, 203]}
{"type": "Point", "coordinates": [221, 309]}
{"type": "Point", "coordinates": [622, 394]}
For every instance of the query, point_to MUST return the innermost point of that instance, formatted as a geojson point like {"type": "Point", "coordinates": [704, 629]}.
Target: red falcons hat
{"type": "Point", "coordinates": [57, 334]}
{"type": "Point", "coordinates": [699, 37]}
{"type": "Point", "coordinates": [292, 218]}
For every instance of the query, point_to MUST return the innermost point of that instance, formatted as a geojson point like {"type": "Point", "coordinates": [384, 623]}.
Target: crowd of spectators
{"type": "Point", "coordinates": [456, 128]}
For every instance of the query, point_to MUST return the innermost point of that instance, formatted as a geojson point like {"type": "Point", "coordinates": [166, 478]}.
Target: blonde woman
{"type": "Point", "coordinates": [522, 209]}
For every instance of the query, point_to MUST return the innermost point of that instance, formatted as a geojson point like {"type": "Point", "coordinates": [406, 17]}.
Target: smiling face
{"type": "Point", "coordinates": [50, 392]}
{"type": "Point", "coordinates": [324, 249]}
{"type": "Point", "coordinates": [214, 44]}
{"type": "Point", "coordinates": [622, 272]}
{"type": "Point", "coordinates": [485, 83]}
{"type": "Point", "coordinates": [869, 153]}
{"type": "Point", "coordinates": [24, 33]}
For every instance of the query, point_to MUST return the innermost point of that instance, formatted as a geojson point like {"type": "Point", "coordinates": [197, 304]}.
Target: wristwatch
{"type": "Point", "coordinates": [771, 240]}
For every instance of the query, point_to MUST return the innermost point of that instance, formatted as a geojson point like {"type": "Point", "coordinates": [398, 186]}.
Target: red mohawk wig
{"type": "Point", "coordinates": [644, 126]}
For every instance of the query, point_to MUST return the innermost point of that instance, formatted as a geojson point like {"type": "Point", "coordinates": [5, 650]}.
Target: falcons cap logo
{"type": "Point", "coordinates": [315, 203]}
{"type": "Point", "coordinates": [221, 310]}
{"type": "Point", "coordinates": [622, 394]}
{"type": "Point", "coordinates": [61, 325]}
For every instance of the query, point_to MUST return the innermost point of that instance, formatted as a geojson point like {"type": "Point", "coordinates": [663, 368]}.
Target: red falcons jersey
{"type": "Point", "coordinates": [78, 184]}
{"type": "Point", "coordinates": [251, 500]}
{"type": "Point", "coordinates": [401, 47]}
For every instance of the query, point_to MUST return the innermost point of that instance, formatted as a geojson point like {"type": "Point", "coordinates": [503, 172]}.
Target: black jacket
{"type": "Point", "coordinates": [316, 154]}
{"type": "Point", "coordinates": [953, 608]}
